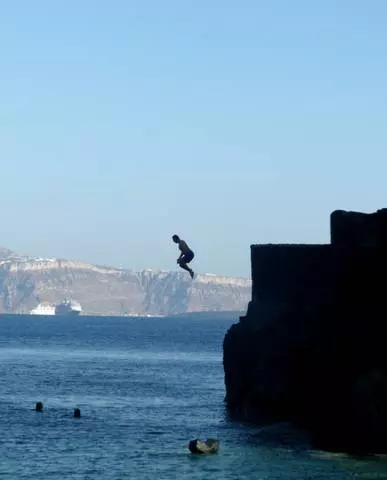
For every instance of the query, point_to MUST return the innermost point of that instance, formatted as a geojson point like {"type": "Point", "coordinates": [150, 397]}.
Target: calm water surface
{"type": "Point", "coordinates": [145, 387]}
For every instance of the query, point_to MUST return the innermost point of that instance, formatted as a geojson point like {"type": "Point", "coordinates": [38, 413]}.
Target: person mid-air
{"type": "Point", "coordinates": [186, 254]}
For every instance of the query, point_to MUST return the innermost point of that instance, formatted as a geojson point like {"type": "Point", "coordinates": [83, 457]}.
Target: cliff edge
{"type": "Point", "coordinates": [311, 348]}
{"type": "Point", "coordinates": [101, 290]}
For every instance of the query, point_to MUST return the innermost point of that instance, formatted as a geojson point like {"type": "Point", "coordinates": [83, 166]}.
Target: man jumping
{"type": "Point", "coordinates": [186, 255]}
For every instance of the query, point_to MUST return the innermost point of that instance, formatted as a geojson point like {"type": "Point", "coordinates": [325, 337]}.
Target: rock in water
{"type": "Point", "coordinates": [210, 445]}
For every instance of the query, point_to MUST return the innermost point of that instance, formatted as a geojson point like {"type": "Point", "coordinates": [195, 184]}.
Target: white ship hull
{"type": "Point", "coordinates": [43, 309]}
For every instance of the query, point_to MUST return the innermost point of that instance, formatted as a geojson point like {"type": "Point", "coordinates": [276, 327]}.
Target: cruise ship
{"type": "Point", "coordinates": [68, 307]}
{"type": "Point", "coordinates": [44, 308]}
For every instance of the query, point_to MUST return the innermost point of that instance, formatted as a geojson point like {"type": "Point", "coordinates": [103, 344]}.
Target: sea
{"type": "Point", "coordinates": [145, 387]}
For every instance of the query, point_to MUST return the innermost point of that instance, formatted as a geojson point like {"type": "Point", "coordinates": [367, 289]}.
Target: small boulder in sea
{"type": "Point", "coordinates": [39, 407]}
{"type": "Point", "coordinates": [77, 413]}
{"type": "Point", "coordinates": [211, 445]}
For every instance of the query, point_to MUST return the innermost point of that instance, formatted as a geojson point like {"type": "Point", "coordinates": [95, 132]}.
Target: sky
{"type": "Point", "coordinates": [229, 123]}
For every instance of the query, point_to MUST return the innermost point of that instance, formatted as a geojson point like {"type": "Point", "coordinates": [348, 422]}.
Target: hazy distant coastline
{"type": "Point", "coordinates": [102, 290]}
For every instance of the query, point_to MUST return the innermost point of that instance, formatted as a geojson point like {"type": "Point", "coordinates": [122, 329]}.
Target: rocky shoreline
{"type": "Point", "coordinates": [311, 348]}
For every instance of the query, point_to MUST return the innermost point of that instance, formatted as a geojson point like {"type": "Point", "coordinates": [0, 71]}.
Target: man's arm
{"type": "Point", "coordinates": [182, 248]}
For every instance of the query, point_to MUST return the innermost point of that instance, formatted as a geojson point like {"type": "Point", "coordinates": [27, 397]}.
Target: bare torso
{"type": "Point", "coordinates": [183, 247]}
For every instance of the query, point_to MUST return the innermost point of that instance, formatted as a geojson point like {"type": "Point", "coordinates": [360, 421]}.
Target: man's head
{"type": "Point", "coordinates": [176, 238]}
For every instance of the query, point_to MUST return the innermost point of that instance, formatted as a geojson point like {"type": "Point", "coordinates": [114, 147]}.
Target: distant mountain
{"type": "Point", "coordinates": [27, 281]}
{"type": "Point", "coordinates": [5, 253]}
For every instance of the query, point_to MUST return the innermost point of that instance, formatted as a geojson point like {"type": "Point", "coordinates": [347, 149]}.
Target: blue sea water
{"type": "Point", "coordinates": [145, 387]}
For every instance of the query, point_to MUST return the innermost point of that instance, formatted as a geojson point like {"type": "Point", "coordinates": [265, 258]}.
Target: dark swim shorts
{"type": "Point", "coordinates": [187, 257]}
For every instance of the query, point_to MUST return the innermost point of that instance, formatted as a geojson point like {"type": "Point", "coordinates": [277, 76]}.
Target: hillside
{"type": "Point", "coordinates": [26, 281]}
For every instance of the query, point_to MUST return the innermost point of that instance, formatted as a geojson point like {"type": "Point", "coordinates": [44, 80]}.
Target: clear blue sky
{"type": "Point", "coordinates": [228, 122]}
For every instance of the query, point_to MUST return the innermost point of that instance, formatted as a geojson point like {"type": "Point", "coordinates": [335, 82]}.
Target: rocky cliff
{"type": "Point", "coordinates": [311, 348]}
{"type": "Point", "coordinates": [25, 282]}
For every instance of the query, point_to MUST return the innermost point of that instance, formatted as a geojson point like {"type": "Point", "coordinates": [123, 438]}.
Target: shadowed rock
{"type": "Point", "coordinates": [311, 348]}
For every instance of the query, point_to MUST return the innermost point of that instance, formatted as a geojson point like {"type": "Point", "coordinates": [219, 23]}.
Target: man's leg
{"type": "Point", "coordinates": [184, 266]}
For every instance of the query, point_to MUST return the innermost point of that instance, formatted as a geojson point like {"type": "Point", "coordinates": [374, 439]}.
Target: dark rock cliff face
{"type": "Point", "coordinates": [312, 347]}
{"type": "Point", "coordinates": [25, 282]}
